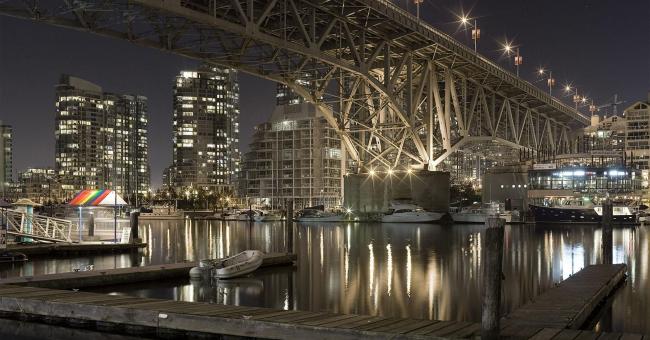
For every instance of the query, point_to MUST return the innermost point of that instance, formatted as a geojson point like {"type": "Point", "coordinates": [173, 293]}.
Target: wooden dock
{"type": "Point", "coordinates": [572, 302]}
{"type": "Point", "coordinates": [178, 319]}
{"type": "Point", "coordinates": [95, 278]}
{"type": "Point", "coordinates": [548, 317]}
{"type": "Point", "coordinates": [66, 249]}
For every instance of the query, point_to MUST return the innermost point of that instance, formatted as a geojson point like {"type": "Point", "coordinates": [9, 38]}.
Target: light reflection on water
{"type": "Point", "coordinates": [401, 270]}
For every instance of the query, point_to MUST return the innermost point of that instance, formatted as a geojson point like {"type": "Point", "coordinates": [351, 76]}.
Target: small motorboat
{"type": "Point", "coordinates": [268, 216]}
{"type": "Point", "coordinates": [409, 213]}
{"type": "Point", "coordinates": [238, 265]}
{"type": "Point", "coordinates": [318, 214]}
{"type": "Point", "coordinates": [478, 214]}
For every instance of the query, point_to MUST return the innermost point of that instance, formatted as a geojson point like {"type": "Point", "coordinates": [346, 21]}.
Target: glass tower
{"type": "Point", "coordinates": [206, 130]}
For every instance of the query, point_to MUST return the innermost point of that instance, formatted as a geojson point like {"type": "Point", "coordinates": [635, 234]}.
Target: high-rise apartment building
{"type": "Point", "coordinates": [206, 129]}
{"type": "Point", "coordinates": [101, 140]}
{"type": "Point", "coordinates": [295, 156]}
{"type": "Point", "coordinates": [6, 158]}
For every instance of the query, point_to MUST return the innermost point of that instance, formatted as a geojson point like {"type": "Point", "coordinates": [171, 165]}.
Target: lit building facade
{"type": "Point", "coordinates": [206, 130]}
{"type": "Point", "coordinates": [40, 185]}
{"type": "Point", "coordinates": [295, 156]}
{"type": "Point", "coordinates": [101, 140]}
{"type": "Point", "coordinates": [6, 158]}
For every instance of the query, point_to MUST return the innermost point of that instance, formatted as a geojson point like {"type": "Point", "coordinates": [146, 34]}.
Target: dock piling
{"type": "Point", "coordinates": [607, 239]}
{"type": "Point", "coordinates": [492, 276]}
{"type": "Point", "coordinates": [133, 222]}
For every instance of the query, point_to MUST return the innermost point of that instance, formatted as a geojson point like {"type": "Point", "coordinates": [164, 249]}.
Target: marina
{"type": "Point", "coordinates": [371, 280]}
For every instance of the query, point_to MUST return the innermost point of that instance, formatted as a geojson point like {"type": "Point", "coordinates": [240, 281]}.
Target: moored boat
{"type": "Point", "coordinates": [318, 214]}
{"type": "Point", "coordinates": [479, 214]}
{"type": "Point", "coordinates": [579, 211]}
{"type": "Point", "coordinates": [409, 213]}
{"type": "Point", "coordinates": [268, 216]}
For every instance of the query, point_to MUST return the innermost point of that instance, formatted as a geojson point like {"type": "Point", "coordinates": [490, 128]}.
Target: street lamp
{"type": "Point", "coordinates": [518, 60]}
{"type": "Point", "coordinates": [417, 7]}
{"type": "Point", "coordinates": [550, 82]}
{"type": "Point", "coordinates": [476, 31]}
{"type": "Point", "coordinates": [576, 97]}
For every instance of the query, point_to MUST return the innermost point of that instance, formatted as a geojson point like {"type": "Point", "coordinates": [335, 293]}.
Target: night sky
{"type": "Point", "coordinates": [600, 46]}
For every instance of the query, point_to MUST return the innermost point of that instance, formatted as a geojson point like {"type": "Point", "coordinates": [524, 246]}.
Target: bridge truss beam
{"type": "Point", "coordinates": [397, 91]}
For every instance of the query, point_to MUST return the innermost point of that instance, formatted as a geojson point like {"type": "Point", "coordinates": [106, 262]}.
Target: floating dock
{"type": "Point", "coordinates": [571, 303]}
{"type": "Point", "coordinates": [95, 278]}
{"type": "Point", "coordinates": [548, 317]}
{"type": "Point", "coordinates": [66, 249]}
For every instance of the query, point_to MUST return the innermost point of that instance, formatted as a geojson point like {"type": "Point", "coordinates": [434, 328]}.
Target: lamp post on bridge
{"type": "Point", "coordinates": [550, 82]}
{"type": "Point", "coordinates": [417, 8]}
{"type": "Point", "coordinates": [476, 31]}
{"type": "Point", "coordinates": [518, 60]}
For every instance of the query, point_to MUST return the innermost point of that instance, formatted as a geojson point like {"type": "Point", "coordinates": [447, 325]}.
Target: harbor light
{"type": "Point", "coordinates": [371, 172]}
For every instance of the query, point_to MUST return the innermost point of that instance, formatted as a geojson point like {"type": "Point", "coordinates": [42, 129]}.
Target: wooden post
{"type": "Point", "coordinates": [492, 276]}
{"type": "Point", "coordinates": [133, 221]}
{"type": "Point", "coordinates": [606, 223]}
{"type": "Point", "coordinates": [91, 224]}
{"type": "Point", "coordinates": [289, 226]}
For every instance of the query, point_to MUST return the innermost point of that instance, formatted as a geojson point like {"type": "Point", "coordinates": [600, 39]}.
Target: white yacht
{"type": "Point", "coordinates": [478, 214]}
{"type": "Point", "coordinates": [409, 213]}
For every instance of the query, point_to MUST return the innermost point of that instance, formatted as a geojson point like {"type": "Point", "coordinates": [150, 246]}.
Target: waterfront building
{"type": "Point", "coordinates": [40, 185]}
{"type": "Point", "coordinates": [206, 130]}
{"type": "Point", "coordinates": [101, 140]}
{"type": "Point", "coordinates": [6, 158]}
{"type": "Point", "coordinates": [296, 156]}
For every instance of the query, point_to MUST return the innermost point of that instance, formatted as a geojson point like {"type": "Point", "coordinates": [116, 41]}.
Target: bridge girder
{"type": "Point", "coordinates": [397, 91]}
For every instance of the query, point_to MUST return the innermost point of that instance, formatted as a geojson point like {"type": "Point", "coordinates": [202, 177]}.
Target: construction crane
{"type": "Point", "coordinates": [614, 105]}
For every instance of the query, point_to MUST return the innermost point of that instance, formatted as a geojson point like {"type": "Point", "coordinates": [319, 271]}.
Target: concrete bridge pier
{"type": "Point", "coordinates": [368, 193]}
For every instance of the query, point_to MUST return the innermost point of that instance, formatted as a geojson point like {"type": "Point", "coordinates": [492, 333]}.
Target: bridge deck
{"type": "Point", "coordinates": [572, 302]}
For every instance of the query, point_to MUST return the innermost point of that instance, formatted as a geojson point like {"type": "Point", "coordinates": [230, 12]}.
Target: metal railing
{"type": "Point", "coordinates": [38, 227]}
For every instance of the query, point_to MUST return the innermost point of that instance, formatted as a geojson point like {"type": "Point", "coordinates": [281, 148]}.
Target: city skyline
{"type": "Point", "coordinates": [595, 33]}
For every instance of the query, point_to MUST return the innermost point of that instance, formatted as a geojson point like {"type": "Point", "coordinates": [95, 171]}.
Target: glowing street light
{"type": "Point", "coordinates": [371, 172]}
{"type": "Point", "coordinates": [507, 48]}
{"type": "Point", "coordinates": [476, 31]}
{"type": "Point", "coordinates": [550, 82]}
{"type": "Point", "coordinates": [390, 172]}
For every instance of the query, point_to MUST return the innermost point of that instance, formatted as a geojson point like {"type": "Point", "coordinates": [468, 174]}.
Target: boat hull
{"type": "Point", "coordinates": [322, 219]}
{"type": "Point", "coordinates": [468, 218]}
{"type": "Point", "coordinates": [241, 264]}
{"type": "Point", "coordinates": [267, 218]}
{"type": "Point", "coordinates": [568, 215]}
{"type": "Point", "coordinates": [417, 217]}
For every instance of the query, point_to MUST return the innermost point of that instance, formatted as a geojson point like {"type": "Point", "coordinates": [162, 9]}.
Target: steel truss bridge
{"type": "Point", "coordinates": [397, 91]}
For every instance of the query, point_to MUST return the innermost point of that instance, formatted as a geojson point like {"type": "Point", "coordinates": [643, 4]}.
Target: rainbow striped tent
{"type": "Point", "coordinates": [94, 198]}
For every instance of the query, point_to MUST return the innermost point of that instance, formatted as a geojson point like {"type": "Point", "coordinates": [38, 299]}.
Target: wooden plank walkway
{"type": "Point", "coordinates": [95, 278]}
{"type": "Point", "coordinates": [572, 302]}
{"type": "Point", "coordinates": [165, 317]}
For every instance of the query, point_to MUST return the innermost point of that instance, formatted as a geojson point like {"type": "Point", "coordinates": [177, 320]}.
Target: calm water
{"type": "Point", "coordinates": [403, 270]}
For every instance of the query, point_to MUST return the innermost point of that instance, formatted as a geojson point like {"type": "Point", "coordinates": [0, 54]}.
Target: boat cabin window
{"type": "Point", "coordinates": [403, 210]}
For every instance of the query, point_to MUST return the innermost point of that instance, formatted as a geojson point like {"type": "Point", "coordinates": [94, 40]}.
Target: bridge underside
{"type": "Point", "coordinates": [398, 92]}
